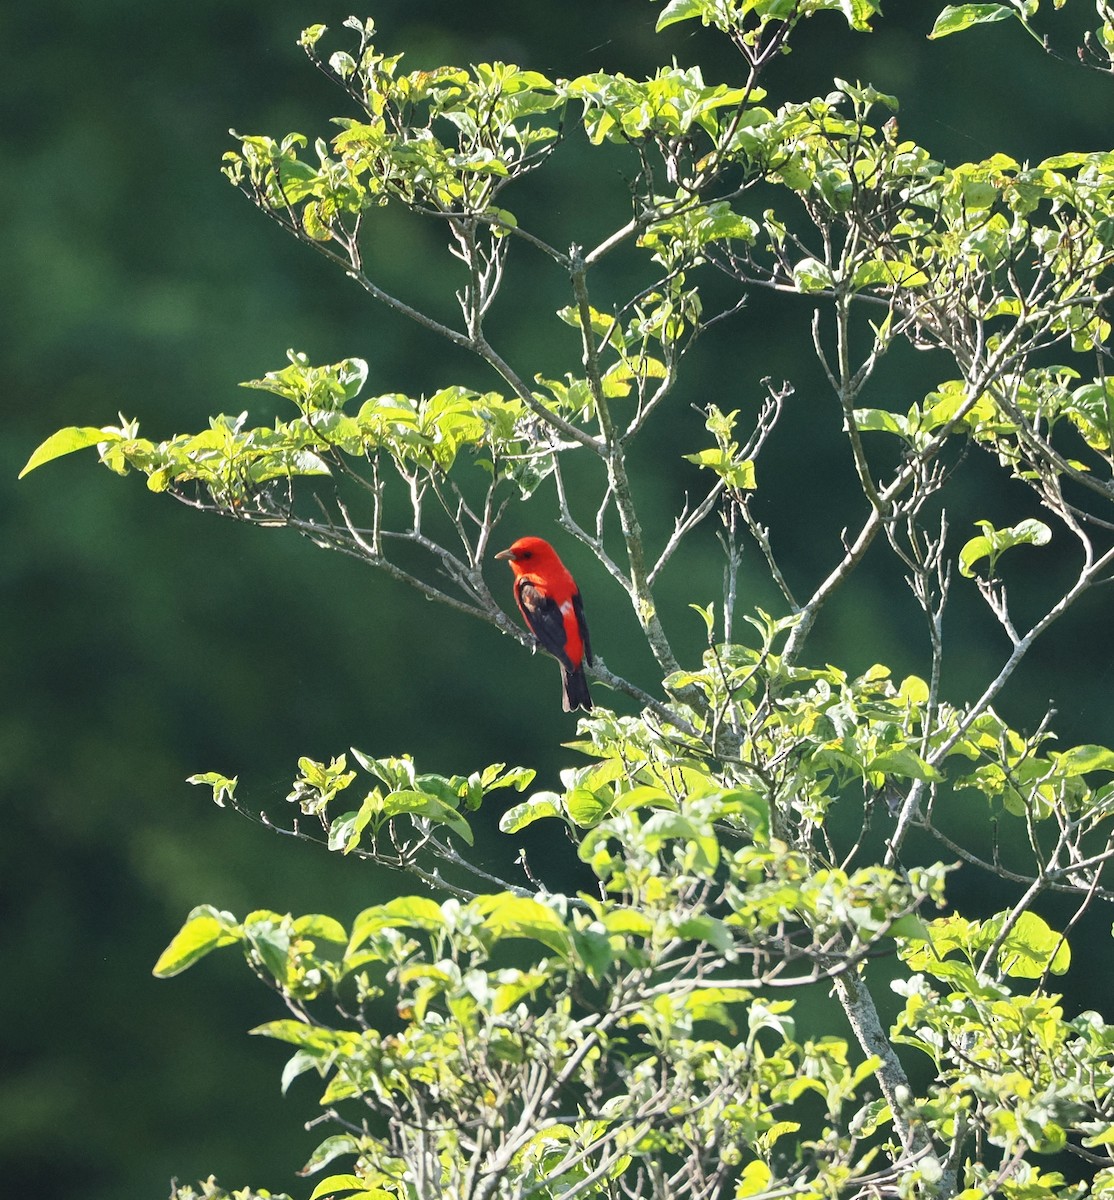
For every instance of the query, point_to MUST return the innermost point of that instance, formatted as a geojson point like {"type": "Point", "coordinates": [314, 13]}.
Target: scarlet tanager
{"type": "Point", "coordinates": [549, 600]}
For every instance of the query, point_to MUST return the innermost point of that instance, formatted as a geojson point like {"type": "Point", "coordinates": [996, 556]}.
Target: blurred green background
{"type": "Point", "coordinates": [143, 642]}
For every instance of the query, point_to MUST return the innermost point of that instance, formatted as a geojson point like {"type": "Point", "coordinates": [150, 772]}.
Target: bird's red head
{"type": "Point", "coordinates": [530, 552]}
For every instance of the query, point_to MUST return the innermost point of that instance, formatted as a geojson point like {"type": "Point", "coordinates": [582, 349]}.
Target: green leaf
{"type": "Point", "coordinates": [268, 933]}
{"type": "Point", "coordinates": [311, 35]}
{"type": "Point", "coordinates": [706, 929]}
{"type": "Point", "coordinates": [881, 420]}
{"type": "Point", "coordinates": [914, 691]}
{"type": "Point", "coordinates": [811, 275]}
{"type": "Point", "coordinates": [702, 846]}
{"type": "Point", "coordinates": [406, 911]}
{"type": "Point", "coordinates": [991, 543]}
{"type": "Point", "coordinates": [499, 776]}
{"type": "Point", "coordinates": [205, 929]}
{"type": "Point", "coordinates": [1080, 760]}
{"type": "Point", "coordinates": [322, 928]}
{"type": "Point", "coordinates": [66, 441]}
{"type": "Point", "coordinates": [858, 13]}
{"type": "Point", "coordinates": [735, 472]}
{"type": "Point", "coordinates": [224, 788]}
{"type": "Point", "coordinates": [335, 1184]}
{"type": "Point", "coordinates": [679, 10]}
{"type": "Point", "coordinates": [909, 926]}
{"type": "Point", "coordinates": [708, 615]}
{"type": "Point", "coordinates": [332, 1147]}
{"type": "Point", "coordinates": [753, 807]}
{"type": "Point", "coordinates": [594, 949]}
{"type": "Point", "coordinates": [296, 1065]}
{"type": "Point", "coordinates": [539, 806]}
{"type": "Point", "coordinates": [957, 17]}
{"type": "Point", "coordinates": [904, 763]}
{"type": "Point", "coordinates": [431, 808]}
{"type": "Point", "coordinates": [587, 807]}
{"type": "Point", "coordinates": [1091, 410]}
{"type": "Point", "coordinates": [1030, 948]}
{"type": "Point", "coordinates": [889, 273]}
{"type": "Point", "coordinates": [507, 915]}
{"type": "Point", "coordinates": [772, 1014]}
{"type": "Point", "coordinates": [754, 1180]}
{"type": "Point", "coordinates": [313, 1038]}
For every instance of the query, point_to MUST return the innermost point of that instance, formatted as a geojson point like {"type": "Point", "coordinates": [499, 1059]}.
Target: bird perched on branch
{"type": "Point", "coordinates": [550, 603]}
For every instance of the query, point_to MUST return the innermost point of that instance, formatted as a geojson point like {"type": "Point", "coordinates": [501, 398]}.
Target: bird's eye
{"type": "Point", "coordinates": [526, 554]}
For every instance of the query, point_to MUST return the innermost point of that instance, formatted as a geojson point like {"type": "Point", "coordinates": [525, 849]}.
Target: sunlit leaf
{"type": "Point", "coordinates": [1031, 947]}
{"type": "Point", "coordinates": [205, 929]}
{"type": "Point", "coordinates": [539, 806]}
{"type": "Point", "coordinates": [224, 788]}
{"type": "Point", "coordinates": [991, 543]}
{"type": "Point", "coordinates": [66, 441]}
{"type": "Point", "coordinates": [507, 915]}
{"type": "Point", "coordinates": [957, 17]}
{"type": "Point", "coordinates": [338, 1185]}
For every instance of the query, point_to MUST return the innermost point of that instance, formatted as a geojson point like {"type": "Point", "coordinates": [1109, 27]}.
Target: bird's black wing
{"type": "Point", "coordinates": [578, 608]}
{"type": "Point", "coordinates": [544, 617]}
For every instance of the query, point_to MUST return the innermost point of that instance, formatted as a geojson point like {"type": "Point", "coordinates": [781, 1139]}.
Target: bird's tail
{"type": "Point", "coordinates": [576, 689]}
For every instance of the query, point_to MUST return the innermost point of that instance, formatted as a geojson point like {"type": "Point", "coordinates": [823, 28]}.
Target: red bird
{"type": "Point", "coordinates": [549, 600]}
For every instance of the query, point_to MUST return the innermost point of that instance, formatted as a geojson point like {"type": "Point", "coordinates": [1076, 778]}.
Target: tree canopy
{"type": "Point", "coordinates": [752, 820]}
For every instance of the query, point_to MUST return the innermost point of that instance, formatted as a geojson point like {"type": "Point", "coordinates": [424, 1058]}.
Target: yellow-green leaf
{"type": "Point", "coordinates": [205, 929]}
{"type": "Point", "coordinates": [66, 441]}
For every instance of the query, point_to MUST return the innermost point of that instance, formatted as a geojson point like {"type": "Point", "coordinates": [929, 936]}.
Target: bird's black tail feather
{"type": "Point", "coordinates": [575, 690]}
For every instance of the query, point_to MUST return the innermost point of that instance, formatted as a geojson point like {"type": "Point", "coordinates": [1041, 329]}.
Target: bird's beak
{"type": "Point", "coordinates": [506, 554]}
